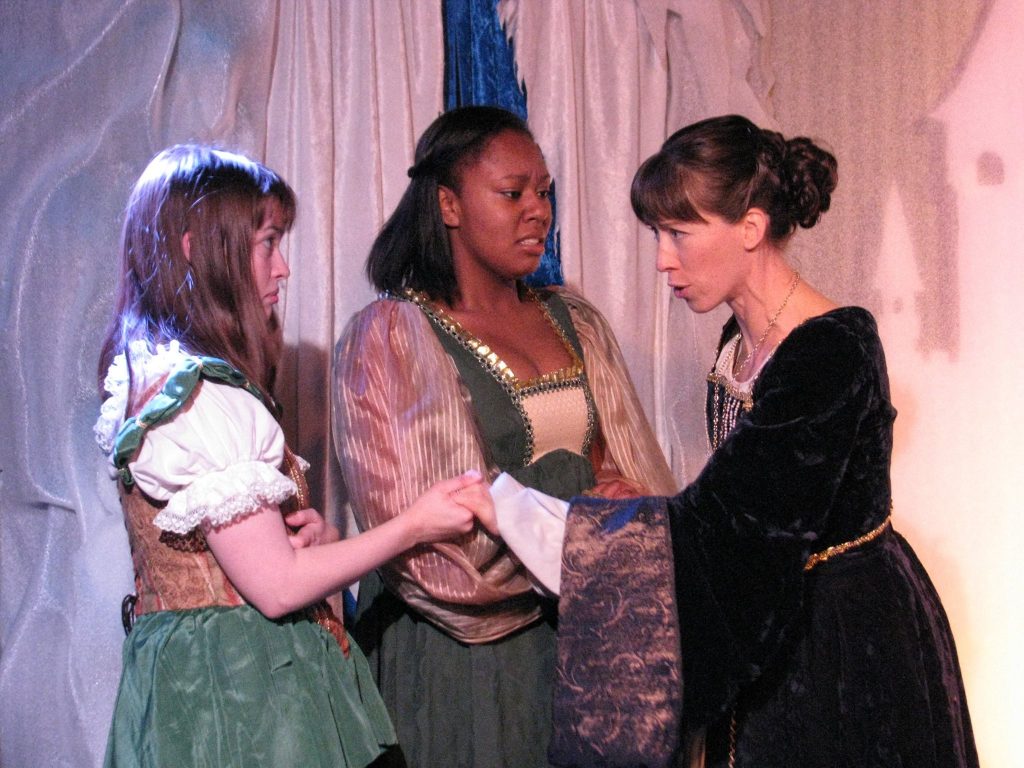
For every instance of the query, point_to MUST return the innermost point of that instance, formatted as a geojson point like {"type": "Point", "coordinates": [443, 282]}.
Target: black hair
{"type": "Point", "coordinates": [412, 249]}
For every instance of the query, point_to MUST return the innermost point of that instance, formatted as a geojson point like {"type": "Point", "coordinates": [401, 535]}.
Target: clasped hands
{"type": "Point", "coordinates": [448, 509]}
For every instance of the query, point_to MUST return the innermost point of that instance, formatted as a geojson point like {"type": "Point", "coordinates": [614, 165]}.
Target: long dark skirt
{"type": "Point", "coordinates": [453, 704]}
{"type": "Point", "coordinates": [871, 678]}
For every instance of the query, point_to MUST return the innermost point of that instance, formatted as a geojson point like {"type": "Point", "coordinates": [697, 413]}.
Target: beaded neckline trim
{"type": "Point", "coordinates": [721, 376]}
{"type": "Point", "coordinates": [574, 375]}
{"type": "Point", "coordinates": [745, 398]}
{"type": "Point", "coordinates": [566, 376]}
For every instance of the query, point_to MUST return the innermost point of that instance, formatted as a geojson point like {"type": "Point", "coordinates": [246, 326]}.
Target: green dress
{"type": "Point", "coordinates": [482, 705]}
{"type": "Point", "coordinates": [225, 686]}
{"type": "Point", "coordinates": [207, 680]}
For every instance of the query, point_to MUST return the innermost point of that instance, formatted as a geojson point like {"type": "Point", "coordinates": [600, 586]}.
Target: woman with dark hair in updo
{"type": "Point", "coordinates": [810, 633]}
{"type": "Point", "coordinates": [461, 365]}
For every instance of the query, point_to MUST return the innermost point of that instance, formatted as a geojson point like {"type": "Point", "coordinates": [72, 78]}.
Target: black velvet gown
{"type": "Point", "coordinates": [851, 663]}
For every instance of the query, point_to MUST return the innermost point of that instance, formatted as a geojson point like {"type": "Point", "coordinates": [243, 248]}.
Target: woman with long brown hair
{"type": "Point", "coordinates": [232, 657]}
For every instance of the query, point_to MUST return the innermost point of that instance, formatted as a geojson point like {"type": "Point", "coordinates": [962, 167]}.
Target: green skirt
{"type": "Point", "coordinates": [457, 705]}
{"type": "Point", "coordinates": [229, 687]}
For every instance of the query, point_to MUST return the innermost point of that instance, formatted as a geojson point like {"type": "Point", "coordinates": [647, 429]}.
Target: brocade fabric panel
{"type": "Point", "coordinates": [618, 685]}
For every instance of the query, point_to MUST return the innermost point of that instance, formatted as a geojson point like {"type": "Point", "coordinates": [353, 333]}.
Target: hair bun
{"type": "Point", "coordinates": [771, 150]}
{"type": "Point", "coordinates": [727, 165]}
{"type": "Point", "coordinates": [808, 176]}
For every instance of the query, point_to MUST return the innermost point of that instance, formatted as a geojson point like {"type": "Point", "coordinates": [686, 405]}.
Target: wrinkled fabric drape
{"type": "Point", "coordinates": [95, 92]}
{"type": "Point", "coordinates": [480, 69]}
{"type": "Point", "coordinates": [606, 84]}
{"type": "Point", "coordinates": [332, 96]}
{"type": "Point", "coordinates": [354, 86]}
{"type": "Point", "coordinates": [479, 62]}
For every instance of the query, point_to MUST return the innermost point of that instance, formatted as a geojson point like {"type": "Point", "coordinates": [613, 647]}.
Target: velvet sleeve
{"type": "Point", "coordinates": [744, 528]}
{"type": "Point", "coordinates": [402, 421]}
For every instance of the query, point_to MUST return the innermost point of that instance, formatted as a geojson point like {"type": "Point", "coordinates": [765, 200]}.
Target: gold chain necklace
{"type": "Point", "coordinates": [771, 324]}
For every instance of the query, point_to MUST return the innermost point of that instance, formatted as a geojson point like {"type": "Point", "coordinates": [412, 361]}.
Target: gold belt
{"type": "Point", "coordinates": [820, 557]}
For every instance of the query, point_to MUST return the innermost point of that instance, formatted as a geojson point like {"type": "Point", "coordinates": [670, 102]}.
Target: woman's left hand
{"type": "Point", "coordinates": [309, 528]}
{"type": "Point", "coordinates": [477, 499]}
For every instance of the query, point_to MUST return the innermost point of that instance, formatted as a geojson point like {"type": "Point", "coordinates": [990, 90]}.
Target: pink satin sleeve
{"type": "Point", "coordinates": [631, 448]}
{"type": "Point", "coordinates": [402, 421]}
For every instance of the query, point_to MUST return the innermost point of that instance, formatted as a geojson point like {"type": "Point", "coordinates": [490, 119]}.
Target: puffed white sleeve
{"type": "Point", "coordinates": [533, 526]}
{"type": "Point", "coordinates": [217, 460]}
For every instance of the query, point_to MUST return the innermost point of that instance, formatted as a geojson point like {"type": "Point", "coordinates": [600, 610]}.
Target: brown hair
{"type": "Point", "coordinates": [726, 166]}
{"type": "Point", "coordinates": [208, 301]}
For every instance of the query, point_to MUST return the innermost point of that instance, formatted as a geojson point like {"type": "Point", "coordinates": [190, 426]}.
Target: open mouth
{"type": "Point", "coordinates": [535, 244]}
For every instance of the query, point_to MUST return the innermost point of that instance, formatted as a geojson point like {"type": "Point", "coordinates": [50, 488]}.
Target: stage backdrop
{"type": "Point", "coordinates": [921, 103]}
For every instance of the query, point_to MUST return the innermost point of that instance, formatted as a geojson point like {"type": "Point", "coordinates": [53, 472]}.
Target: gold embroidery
{"type": "Point", "coordinates": [573, 375]}
{"type": "Point", "coordinates": [498, 367]}
{"type": "Point", "coordinates": [297, 477]}
{"type": "Point", "coordinates": [820, 557]}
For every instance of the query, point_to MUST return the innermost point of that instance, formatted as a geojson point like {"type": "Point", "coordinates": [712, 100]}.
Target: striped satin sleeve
{"type": "Point", "coordinates": [402, 421]}
{"type": "Point", "coordinates": [631, 448]}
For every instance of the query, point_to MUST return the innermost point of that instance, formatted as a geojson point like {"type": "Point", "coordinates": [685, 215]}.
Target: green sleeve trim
{"type": "Point", "coordinates": [180, 385]}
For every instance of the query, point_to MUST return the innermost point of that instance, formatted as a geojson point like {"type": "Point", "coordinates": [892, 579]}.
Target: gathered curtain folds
{"type": "Point", "coordinates": [480, 68]}
{"type": "Point", "coordinates": [606, 83]}
{"type": "Point", "coordinates": [354, 86]}
{"type": "Point", "coordinates": [333, 96]}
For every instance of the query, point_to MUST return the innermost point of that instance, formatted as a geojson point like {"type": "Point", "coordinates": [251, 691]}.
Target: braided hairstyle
{"type": "Point", "coordinates": [727, 165]}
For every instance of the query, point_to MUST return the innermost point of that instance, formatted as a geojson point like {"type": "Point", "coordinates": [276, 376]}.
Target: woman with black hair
{"type": "Point", "coordinates": [460, 364]}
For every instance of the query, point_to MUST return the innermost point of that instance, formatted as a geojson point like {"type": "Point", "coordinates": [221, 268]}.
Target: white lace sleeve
{"type": "Point", "coordinates": [215, 461]}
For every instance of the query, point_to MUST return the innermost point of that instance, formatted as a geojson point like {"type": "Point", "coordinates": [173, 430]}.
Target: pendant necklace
{"type": "Point", "coordinates": [771, 324]}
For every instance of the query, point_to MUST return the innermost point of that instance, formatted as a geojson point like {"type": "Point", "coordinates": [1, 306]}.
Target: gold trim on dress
{"type": "Point", "coordinates": [574, 375]}
{"type": "Point", "coordinates": [298, 477]}
{"type": "Point", "coordinates": [498, 367]}
{"type": "Point", "coordinates": [820, 557]}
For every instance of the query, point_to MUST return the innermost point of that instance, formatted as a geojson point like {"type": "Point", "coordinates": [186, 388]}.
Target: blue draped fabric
{"type": "Point", "coordinates": [480, 69]}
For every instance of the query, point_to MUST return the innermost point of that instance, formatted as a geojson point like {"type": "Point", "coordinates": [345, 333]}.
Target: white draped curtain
{"type": "Point", "coordinates": [333, 95]}
{"type": "Point", "coordinates": [354, 85]}
{"type": "Point", "coordinates": [606, 83]}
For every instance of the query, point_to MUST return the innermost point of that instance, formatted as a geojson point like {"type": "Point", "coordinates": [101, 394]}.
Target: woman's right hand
{"type": "Point", "coordinates": [448, 508]}
{"type": "Point", "coordinates": [307, 528]}
{"type": "Point", "coordinates": [612, 485]}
